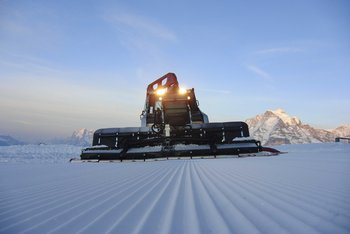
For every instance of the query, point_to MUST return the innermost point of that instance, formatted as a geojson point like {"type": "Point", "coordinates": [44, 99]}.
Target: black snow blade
{"type": "Point", "coordinates": [177, 151]}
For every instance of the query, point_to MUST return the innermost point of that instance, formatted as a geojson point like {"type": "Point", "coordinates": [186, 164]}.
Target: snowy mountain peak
{"type": "Point", "coordinates": [82, 137]}
{"type": "Point", "coordinates": [81, 133]}
{"type": "Point", "coordinates": [277, 127]}
{"type": "Point", "coordinates": [285, 117]}
{"type": "Point", "coordinates": [279, 111]}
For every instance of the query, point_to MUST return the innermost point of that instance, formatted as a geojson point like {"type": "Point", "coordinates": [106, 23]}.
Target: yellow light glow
{"type": "Point", "coordinates": [188, 97]}
{"type": "Point", "coordinates": [182, 91]}
{"type": "Point", "coordinates": [161, 92]}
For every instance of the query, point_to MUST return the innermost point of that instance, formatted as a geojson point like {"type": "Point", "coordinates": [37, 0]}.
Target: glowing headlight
{"type": "Point", "coordinates": [161, 92]}
{"type": "Point", "coordinates": [182, 91]}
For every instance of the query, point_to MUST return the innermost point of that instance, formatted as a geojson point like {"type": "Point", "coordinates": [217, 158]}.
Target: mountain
{"type": "Point", "coordinates": [342, 131]}
{"type": "Point", "coordinates": [81, 137]}
{"type": "Point", "coordinates": [277, 127]}
{"type": "Point", "coordinates": [8, 140]}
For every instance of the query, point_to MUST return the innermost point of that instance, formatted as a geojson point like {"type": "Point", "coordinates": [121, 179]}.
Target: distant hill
{"type": "Point", "coordinates": [8, 140]}
{"type": "Point", "coordinates": [81, 137]}
{"type": "Point", "coordinates": [277, 127]}
{"type": "Point", "coordinates": [342, 131]}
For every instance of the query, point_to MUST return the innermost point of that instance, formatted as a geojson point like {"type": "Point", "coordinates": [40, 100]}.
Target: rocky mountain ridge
{"type": "Point", "coordinates": [277, 127]}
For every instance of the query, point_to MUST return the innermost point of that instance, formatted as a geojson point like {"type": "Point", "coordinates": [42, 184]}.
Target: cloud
{"type": "Point", "coordinates": [218, 91]}
{"type": "Point", "coordinates": [31, 64]}
{"type": "Point", "coordinates": [31, 26]}
{"type": "Point", "coordinates": [141, 25]}
{"type": "Point", "coordinates": [13, 27]}
{"type": "Point", "coordinates": [259, 72]}
{"type": "Point", "coordinates": [278, 50]}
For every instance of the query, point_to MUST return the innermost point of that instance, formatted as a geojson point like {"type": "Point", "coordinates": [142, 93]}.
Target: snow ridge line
{"type": "Point", "coordinates": [306, 203]}
{"type": "Point", "coordinates": [314, 192]}
{"type": "Point", "coordinates": [283, 202]}
{"type": "Point", "coordinates": [100, 194]}
{"type": "Point", "coordinates": [265, 203]}
{"type": "Point", "coordinates": [236, 201]}
{"type": "Point", "coordinates": [207, 202]}
{"type": "Point", "coordinates": [310, 203]}
{"type": "Point", "coordinates": [34, 190]}
{"type": "Point", "coordinates": [107, 216]}
{"type": "Point", "coordinates": [42, 203]}
{"type": "Point", "coordinates": [47, 187]}
{"type": "Point", "coordinates": [41, 195]}
{"type": "Point", "coordinates": [113, 228]}
{"type": "Point", "coordinates": [235, 215]}
{"type": "Point", "coordinates": [145, 182]}
{"type": "Point", "coordinates": [123, 190]}
{"type": "Point", "coordinates": [155, 201]}
{"type": "Point", "coordinates": [187, 207]}
{"type": "Point", "coordinates": [170, 207]}
{"type": "Point", "coordinates": [47, 195]}
{"type": "Point", "coordinates": [70, 197]}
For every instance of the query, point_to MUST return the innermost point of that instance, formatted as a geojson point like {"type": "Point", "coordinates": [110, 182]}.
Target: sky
{"type": "Point", "coordinates": [66, 65]}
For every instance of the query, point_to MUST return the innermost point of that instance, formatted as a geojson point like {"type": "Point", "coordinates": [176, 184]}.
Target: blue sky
{"type": "Point", "coordinates": [66, 65]}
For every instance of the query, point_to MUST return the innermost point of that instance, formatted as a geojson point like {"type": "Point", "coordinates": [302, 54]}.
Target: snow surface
{"type": "Point", "coordinates": [304, 191]}
{"type": "Point", "coordinates": [38, 153]}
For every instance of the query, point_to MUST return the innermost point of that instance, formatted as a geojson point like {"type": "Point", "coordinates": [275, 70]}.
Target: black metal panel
{"type": "Point", "coordinates": [245, 147]}
{"type": "Point", "coordinates": [208, 133]}
{"type": "Point", "coordinates": [112, 137]}
{"type": "Point", "coordinates": [176, 113]}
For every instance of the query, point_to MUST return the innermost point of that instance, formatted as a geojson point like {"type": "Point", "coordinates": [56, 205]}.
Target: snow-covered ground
{"type": "Point", "coordinates": [39, 153]}
{"type": "Point", "coordinates": [304, 191]}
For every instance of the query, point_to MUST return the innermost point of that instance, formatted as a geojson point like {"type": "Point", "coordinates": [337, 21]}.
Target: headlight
{"type": "Point", "coordinates": [160, 92]}
{"type": "Point", "coordinates": [182, 91]}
